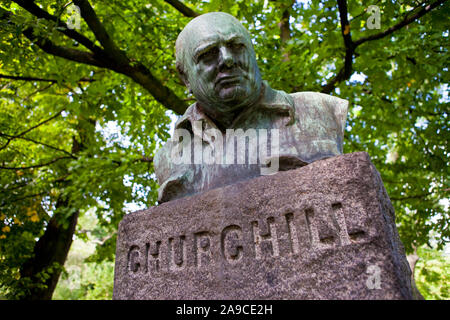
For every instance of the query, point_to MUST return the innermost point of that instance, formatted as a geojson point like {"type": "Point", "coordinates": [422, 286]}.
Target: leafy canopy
{"type": "Point", "coordinates": [83, 110]}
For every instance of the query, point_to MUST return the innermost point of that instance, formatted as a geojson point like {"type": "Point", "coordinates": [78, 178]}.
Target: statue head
{"type": "Point", "coordinates": [217, 62]}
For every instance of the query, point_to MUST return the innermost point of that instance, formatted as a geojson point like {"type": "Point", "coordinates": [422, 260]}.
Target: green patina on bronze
{"type": "Point", "coordinates": [217, 62]}
{"type": "Point", "coordinates": [212, 47]}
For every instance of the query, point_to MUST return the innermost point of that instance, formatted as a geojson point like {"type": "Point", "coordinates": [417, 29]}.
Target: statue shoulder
{"type": "Point", "coordinates": [321, 102]}
{"type": "Point", "coordinates": [162, 163]}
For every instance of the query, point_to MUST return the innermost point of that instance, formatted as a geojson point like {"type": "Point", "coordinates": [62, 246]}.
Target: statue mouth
{"type": "Point", "coordinates": [228, 80]}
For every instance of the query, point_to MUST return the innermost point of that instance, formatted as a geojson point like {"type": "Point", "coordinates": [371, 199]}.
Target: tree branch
{"type": "Point", "coordinates": [49, 47]}
{"type": "Point", "coordinates": [346, 70]}
{"type": "Point", "coordinates": [110, 58]}
{"type": "Point", "coordinates": [285, 28]}
{"type": "Point", "coordinates": [345, 25]}
{"type": "Point", "coordinates": [39, 90]}
{"type": "Point", "coordinates": [407, 20]}
{"type": "Point", "coordinates": [350, 46]}
{"type": "Point", "coordinates": [34, 79]}
{"type": "Point", "coordinates": [285, 32]}
{"type": "Point", "coordinates": [35, 166]}
{"type": "Point", "coordinates": [63, 52]}
{"type": "Point", "coordinates": [186, 11]}
{"type": "Point", "coordinates": [138, 72]}
{"type": "Point", "coordinates": [417, 196]}
{"type": "Point", "coordinates": [91, 18]}
{"type": "Point", "coordinates": [161, 93]}
{"type": "Point", "coordinates": [39, 124]}
{"type": "Point", "coordinates": [145, 159]}
{"type": "Point", "coordinates": [333, 82]}
{"type": "Point", "coordinates": [31, 196]}
{"type": "Point", "coordinates": [28, 130]}
{"type": "Point", "coordinates": [35, 10]}
{"type": "Point", "coordinates": [38, 142]}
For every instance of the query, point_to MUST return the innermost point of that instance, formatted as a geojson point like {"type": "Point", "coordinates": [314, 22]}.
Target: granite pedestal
{"type": "Point", "coordinates": [323, 231]}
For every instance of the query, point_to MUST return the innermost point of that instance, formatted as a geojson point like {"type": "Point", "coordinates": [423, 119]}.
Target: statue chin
{"type": "Point", "coordinates": [227, 99]}
{"type": "Point", "coordinates": [233, 95]}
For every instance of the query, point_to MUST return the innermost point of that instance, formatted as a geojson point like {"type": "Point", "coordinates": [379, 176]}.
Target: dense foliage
{"type": "Point", "coordinates": [85, 278]}
{"type": "Point", "coordinates": [433, 274]}
{"type": "Point", "coordinates": [82, 110]}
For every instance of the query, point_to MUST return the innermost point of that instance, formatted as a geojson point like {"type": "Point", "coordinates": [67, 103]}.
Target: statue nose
{"type": "Point", "coordinates": [226, 57]}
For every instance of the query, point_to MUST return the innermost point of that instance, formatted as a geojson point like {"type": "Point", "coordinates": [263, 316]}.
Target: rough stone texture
{"type": "Point", "coordinates": [323, 231]}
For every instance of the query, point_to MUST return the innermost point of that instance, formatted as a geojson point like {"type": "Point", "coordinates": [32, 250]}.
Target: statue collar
{"type": "Point", "coordinates": [275, 100]}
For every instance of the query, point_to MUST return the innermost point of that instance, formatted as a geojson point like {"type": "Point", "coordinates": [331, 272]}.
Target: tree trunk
{"type": "Point", "coordinates": [52, 247]}
{"type": "Point", "coordinates": [285, 29]}
{"type": "Point", "coordinates": [412, 260]}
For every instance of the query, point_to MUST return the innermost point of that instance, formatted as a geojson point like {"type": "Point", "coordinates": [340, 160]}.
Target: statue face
{"type": "Point", "coordinates": [220, 64]}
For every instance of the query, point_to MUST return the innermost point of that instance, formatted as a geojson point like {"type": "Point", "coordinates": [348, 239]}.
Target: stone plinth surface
{"type": "Point", "coordinates": [323, 231]}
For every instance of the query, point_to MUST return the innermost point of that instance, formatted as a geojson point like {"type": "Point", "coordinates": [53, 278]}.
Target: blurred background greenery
{"type": "Point", "coordinates": [81, 116]}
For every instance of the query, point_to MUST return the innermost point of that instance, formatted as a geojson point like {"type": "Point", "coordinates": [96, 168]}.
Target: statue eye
{"type": "Point", "coordinates": [236, 46]}
{"type": "Point", "coordinates": [208, 55]}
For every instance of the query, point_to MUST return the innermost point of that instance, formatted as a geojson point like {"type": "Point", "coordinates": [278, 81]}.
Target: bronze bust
{"type": "Point", "coordinates": [217, 62]}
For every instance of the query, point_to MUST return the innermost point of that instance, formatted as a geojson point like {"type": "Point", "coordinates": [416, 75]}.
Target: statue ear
{"type": "Point", "coordinates": [183, 77]}
{"type": "Point", "coordinates": [185, 80]}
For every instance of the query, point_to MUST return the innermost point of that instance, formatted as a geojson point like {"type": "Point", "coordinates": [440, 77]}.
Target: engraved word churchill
{"type": "Point", "coordinates": [288, 233]}
{"type": "Point", "coordinates": [239, 127]}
